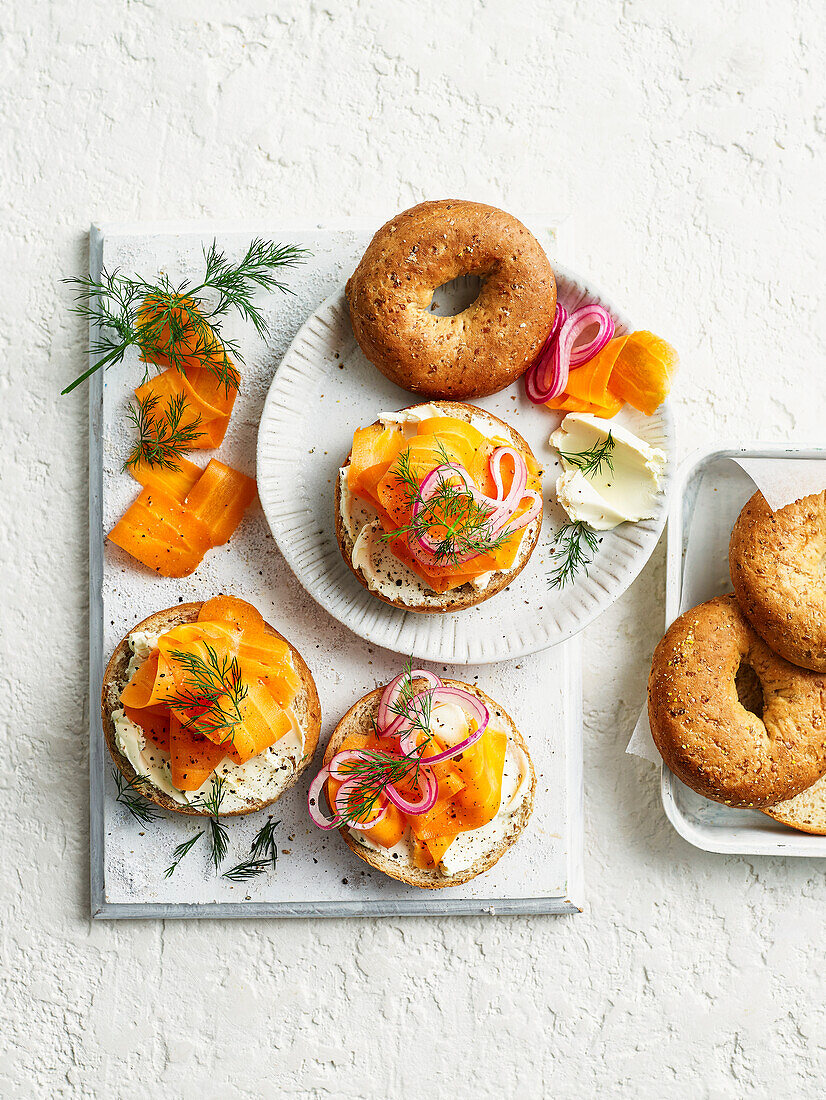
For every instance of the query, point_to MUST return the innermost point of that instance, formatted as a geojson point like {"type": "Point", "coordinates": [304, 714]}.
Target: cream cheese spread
{"type": "Point", "coordinates": [449, 723]}
{"type": "Point", "coordinates": [263, 777]}
{"type": "Point", "coordinates": [625, 490]}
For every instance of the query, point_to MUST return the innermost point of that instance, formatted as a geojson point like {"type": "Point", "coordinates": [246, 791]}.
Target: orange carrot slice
{"type": "Point", "coordinates": [200, 398]}
{"type": "Point", "coordinates": [192, 758]}
{"type": "Point", "coordinates": [175, 483]}
{"type": "Point", "coordinates": [219, 499]}
{"type": "Point", "coordinates": [154, 721]}
{"type": "Point", "coordinates": [162, 534]}
{"type": "Point", "coordinates": [590, 382]}
{"type": "Point", "coordinates": [643, 371]}
{"type": "Point", "coordinates": [264, 723]}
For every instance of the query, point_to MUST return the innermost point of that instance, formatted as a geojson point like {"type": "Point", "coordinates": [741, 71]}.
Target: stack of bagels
{"type": "Point", "coordinates": [737, 691]}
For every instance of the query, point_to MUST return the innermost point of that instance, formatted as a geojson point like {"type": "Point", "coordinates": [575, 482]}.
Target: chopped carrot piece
{"type": "Point", "coordinates": [219, 499]}
{"type": "Point", "coordinates": [154, 721]}
{"type": "Point", "coordinates": [590, 381]}
{"type": "Point", "coordinates": [192, 758]}
{"type": "Point", "coordinates": [175, 483]}
{"type": "Point", "coordinates": [162, 534]}
{"type": "Point", "coordinates": [643, 372]}
{"type": "Point", "coordinates": [229, 609]}
{"type": "Point", "coordinates": [264, 723]}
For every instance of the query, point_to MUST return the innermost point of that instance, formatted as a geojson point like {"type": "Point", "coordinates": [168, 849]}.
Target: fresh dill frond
{"type": "Point", "coordinates": [161, 437]}
{"type": "Point", "coordinates": [576, 544]}
{"type": "Point", "coordinates": [249, 868]}
{"type": "Point", "coordinates": [176, 324]}
{"type": "Point", "coordinates": [375, 769]}
{"type": "Point", "coordinates": [131, 795]}
{"type": "Point", "coordinates": [218, 836]}
{"type": "Point", "coordinates": [212, 693]}
{"type": "Point", "coordinates": [591, 461]}
{"type": "Point", "coordinates": [451, 519]}
{"type": "Point", "coordinates": [179, 853]}
{"type": "Point", "coordinates": [263, 845]}
{"type": "Point", "coordinates": [263, 855]}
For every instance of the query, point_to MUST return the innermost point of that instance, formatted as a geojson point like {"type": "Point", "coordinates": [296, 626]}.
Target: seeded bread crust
{"type": "Point", "coordinates": [306, 707]}
{"type": "Point", "coordinates": [776, 564]}
{"type": "Point", "coordinates": [486, 346]}
{"type": "Point", "coordinates": [704, 733]}
{"type": "Point", "coordinates": [359, 719]}
{"type": "Point", "coordinates": [465, 596]}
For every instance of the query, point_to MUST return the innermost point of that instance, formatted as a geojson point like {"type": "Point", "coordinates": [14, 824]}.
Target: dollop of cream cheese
{"type": "Point", "coordinates": [262, 778]}
{"type": "Point", "coordinates": [379, 566]}
{"type": "Point", "coordinates": [449, 723]}
{"type": "Point", "coordinates": [625, 490]}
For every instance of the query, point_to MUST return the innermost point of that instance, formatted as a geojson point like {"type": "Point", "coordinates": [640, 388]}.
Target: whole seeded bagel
{"type": "Point", "coordinates": [478, 351]}
{"type": "Point", "coordinates": [115, 678]}
{"type": "Point", "coordinates": [732, 719]}
{"type": "Point", "coordinates": [776, 563]}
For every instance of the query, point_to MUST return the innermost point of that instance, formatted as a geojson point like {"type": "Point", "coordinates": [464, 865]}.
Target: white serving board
{"type": "Point", "coordinates": [710, 491]}
{"type": "Point", "coordinates": [316, 873]}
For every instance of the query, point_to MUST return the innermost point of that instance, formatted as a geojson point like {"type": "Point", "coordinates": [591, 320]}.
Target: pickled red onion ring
{"type": "Point", "coordinates": [343, 794]}
{"type": "Point", "coordinates": [387, 721]}
{"type": "Point", "coordinates": [501, 507]}
{"type": "Point", "coordinates": [426, 802]}
{"type": "Point", "coordinates": [548, 377]}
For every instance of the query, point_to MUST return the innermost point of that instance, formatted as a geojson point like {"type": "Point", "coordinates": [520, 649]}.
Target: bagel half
{"type": "Point", "coordinates": [716, 730]}
{"type": "Point", "coordinates": [806, 812]}
{"type": "Point", "coordinates": [359, 719]}
{"type": "Point", "coordinates": [466, 595]}
{"type": "Point", "coordinates": [776, 564]}
{"type": "Point", "coordinates": [306, 707]}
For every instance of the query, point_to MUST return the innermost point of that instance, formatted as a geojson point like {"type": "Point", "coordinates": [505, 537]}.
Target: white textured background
{"type": "Point", "coordinates": [687, 142]}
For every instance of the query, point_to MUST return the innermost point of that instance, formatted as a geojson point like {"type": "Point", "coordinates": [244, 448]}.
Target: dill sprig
{"type": "Point", "coordinates": [218, 836]}
{"type": "Point", "coordinates": [131, 795]}
{"type": "Point", "coordinates": [375, 769]}
{"type": "Point", "coordinates": [161, 436]}
{"type": "Point", "coordinates": [211, 694]}
{"type": "Point", "coordinates": [179, 853]}
{"type": "Point", "coordinates": [263, 855]}
{"type": "Point", "coordinates": [591, 461]}
{"type": "Point", "coordinates": [249, 868]}
{"type": "Point", "coordinates": [263, 845]}
{"type": "Point", "coordinates": [174, 323]}
{"type": "Point", "coordinates": [576, 544]}
{"type": "Point", "coordinates": [451, 518]}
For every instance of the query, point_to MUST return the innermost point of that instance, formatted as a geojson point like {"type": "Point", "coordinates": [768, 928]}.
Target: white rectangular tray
{"type": "Point", "coordinates": [709, 492]}
{"type": "Point", "coordinates": [316, 875]}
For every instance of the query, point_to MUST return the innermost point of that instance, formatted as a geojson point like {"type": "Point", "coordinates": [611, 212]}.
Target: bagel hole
{"type": "Point", "coordinates": [749, 689]}
{"type": "Point", "coordinates": [454, 297]}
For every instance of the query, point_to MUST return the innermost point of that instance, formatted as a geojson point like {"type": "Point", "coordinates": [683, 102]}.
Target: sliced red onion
{"type": "Point", "coordinates": [526, 517]}
{"type": "Point", "coordinates": [342, 797]}
{"type": "Point", "coordinates": [389, 723]}
{"type": "Point", "coordinates": [469, 703]}
{"type": "Point", "coordinates": [548, 377]}
{"type": "Point", "coordinates": [314, 803]}
{"type": "Point", "coordinates": [426, 802]}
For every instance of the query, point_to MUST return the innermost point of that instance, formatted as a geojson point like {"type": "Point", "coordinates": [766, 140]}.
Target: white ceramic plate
{"type": "Point", "coordinates": [323, 390]}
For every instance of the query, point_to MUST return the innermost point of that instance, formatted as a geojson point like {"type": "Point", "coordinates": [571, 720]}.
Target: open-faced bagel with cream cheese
{"type": "Point", "coordinates": [428, 781]}
{"type": "Point", "coordinates": [207, 697]}
{"type": "Point", "coordinates": [438, 507]}
{"type": "Point", "coordinates": [489, 344]}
